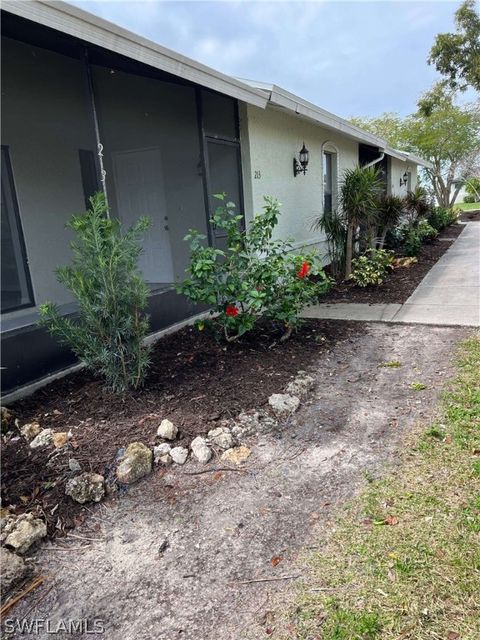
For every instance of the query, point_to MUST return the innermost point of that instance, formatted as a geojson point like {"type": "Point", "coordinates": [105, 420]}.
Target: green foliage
{"type": "Point", "coordinates": [255, 277]}
{"type": "Point", "coordinates": [335, 229]}
{"type": "Point", "coordinates": [359, 195]}
{"type": "Point", "coordinates": [469, 198]}
{"type": "Point", "coordinates": [472, 187]}
{"type": "Point", "coordinates": [108, 332]}
{"type": "Point", "coordinates": [418, 386]}
{"type": "Point", "coordinates": [457, 55]}
{"type": "Point", "coordinates": [416, 204]}
{"type": "Point", "coordinates": [410, 240]}
{"type": "Point", "coordinates": [370, 269]}
{"type": "Point", "coordinates": [390, 210]}
{"type": "Point", "coordinates": [390, 364]}
{"type": "Point", "coordinates": [440, 218]}
{"type": "Point", "coordinates": [425, 231]}
{"type": "Point", "coordinates": [441, 131]}
{"type": "Point", "coordinates": [389, 126]}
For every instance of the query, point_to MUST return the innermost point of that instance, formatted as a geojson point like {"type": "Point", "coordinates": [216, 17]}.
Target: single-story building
{"type": "Point", "coordinates": [88, 105]}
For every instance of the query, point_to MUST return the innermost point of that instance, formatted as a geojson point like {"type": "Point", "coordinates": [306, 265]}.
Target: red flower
{"type": "Point", "coordinates": [303, 270]}
{"type": "Point", "coordinates": [231, 310]}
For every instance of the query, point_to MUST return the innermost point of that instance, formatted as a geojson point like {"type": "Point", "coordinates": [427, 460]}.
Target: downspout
{"type": "Point", "coordinates": [91, 93]}
{"type": "Point", "coordinates": [376, 161]}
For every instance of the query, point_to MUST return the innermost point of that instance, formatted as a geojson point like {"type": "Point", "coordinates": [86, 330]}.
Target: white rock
{"type": "Point", "coordinates": [256, 422]}
{"type": "Point", "coordinates": [179, 455]}
{"type": "Point", "coordinates": [14, 569]}
{"type": "Point", "coordinates": [74, 465]}
{"type": "Point", "coordinates": [167, 430]}
{"type": "Point", "coordinates": [221, 437]}
{"type": "Point", "coordinates": [88, 487]}
{"type": "Point", "coordinates": [236, 454]}
{"type": "Point", "coordinates": [30, 430]}
{"type": "Point", "coordinates": [283, 404]}
{"type": "Point", "coordinates": [25, 531]}
{"type": "Point", "coordinates": [161, 450]}
{"type": "Point", "coordinates": [165, 460]}
{"type": "Point", "coordinates": [301, 384]}
{"type": "Point", "coordinates": [44, 438]}
{"type": "Point", "coordinates": [135, 463]}
{"type": "Point", "coordinates": [200, 449]}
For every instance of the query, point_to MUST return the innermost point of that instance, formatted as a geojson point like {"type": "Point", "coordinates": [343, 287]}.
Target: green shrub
{"type": "Point", "coordinates": [440, 218]}
{"type": "Point", "coordinates": [255, 278]}
{"type": "Point", "coordinates": [371, 268]}
{"type": "Point", "coordinates": [411, 241]}
{"type": "Point", "coordinates": [470, 197]}
{"type": "Point", "coordinates": [425, 231]}
{"type": "Point", "coordinates": [108, 332]}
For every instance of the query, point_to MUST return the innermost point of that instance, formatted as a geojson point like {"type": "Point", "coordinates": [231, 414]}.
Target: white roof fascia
{"type": "Point", "coordinates": [287, 100]}
{"type": "Point", "coordinates": [90, 28]}
{"type": "Point", "coordinates": [281, 98]}
{"type": "Point", "coordinates": [405, 156]}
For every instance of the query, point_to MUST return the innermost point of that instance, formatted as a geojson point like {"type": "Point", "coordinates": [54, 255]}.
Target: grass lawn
{"type": "Point", "coordinates": [403, 561]}
{"type": "Point", "coordinates": [468, 206]}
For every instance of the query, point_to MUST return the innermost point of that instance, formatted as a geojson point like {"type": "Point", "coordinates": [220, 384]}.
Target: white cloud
{"type": "Point", "coordinates": [349, 57]}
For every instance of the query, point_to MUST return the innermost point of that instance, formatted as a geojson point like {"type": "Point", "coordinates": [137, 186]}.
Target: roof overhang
{"type": "Point", "coordinates": [280, 98]}
{"type": "Point", "coordinates": [85, 26]}
{"type": "Point", "coordinates": [405, 156]}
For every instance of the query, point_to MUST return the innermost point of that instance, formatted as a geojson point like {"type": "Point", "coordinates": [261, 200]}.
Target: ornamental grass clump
{"type": "Point", "coordinates": [256, 278]}
{"type": "Point", "coordinates": [108, 332]}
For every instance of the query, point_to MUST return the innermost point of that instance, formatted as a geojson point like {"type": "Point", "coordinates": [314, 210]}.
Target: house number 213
{"type": "Point", "coordinates": [257, 175]}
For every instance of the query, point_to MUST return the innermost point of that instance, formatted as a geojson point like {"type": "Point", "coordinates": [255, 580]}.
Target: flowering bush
{"type": "Point", "coordinates": [255, 277]}
{"type": "Point", "coordinates": [371, 268]}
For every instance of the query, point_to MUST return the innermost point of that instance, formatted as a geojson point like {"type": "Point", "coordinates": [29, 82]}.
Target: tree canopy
{"type": "Point", "coordinates": [456, 56]}
{"type": "Point", "coordinates": [441, 131]}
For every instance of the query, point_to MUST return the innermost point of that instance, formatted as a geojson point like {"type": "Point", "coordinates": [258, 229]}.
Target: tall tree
{"type": "Point", "coordinates": [446, 134]}
{"type": "Point", "coordinates": [457, 55]}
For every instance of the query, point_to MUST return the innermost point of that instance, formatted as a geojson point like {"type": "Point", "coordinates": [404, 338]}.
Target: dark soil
{"type": "Point", "coordinates": [194, 381]}
{"type": "Point", "coordinates": [470, 216]}
{"type": "Point", "coordinates": [399, 285]}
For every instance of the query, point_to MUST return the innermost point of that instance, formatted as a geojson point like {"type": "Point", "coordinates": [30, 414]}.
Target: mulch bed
{"type": "Point", "coordinates": [470, 216]}
{"type": "Point", "coordinates": [194, 381]}
{"type": "Point", "coordinates": [399, 285]}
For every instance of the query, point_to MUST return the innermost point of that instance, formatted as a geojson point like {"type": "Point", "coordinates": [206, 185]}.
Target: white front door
{"type": "Point", "coordinates": [140, 192]}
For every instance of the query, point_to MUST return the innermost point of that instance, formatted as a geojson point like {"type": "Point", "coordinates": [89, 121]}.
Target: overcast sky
{"type": "Point", "coordinates": [352, 58]}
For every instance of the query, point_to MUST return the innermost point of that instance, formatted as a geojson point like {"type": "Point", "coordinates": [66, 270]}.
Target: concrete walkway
{"type": "Point", "coordinates": [448, 295]}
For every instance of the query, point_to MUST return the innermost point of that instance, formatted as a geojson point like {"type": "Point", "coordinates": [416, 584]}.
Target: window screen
{"type": "Point", "coordinates": [16, 288]}
{"type": "Point", "coordinates": [219, 118]}
{"type": "Point", "coordinates": [89, 174]}
{"type": "Point", "coordinates": [327, 182]}
{"type": "Point", "coordinates": [224, 169]}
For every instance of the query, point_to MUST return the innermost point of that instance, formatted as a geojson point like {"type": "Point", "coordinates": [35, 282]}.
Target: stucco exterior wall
{"type": "Point", "coordinates": [270, 140]}
{"type": "Point", "coordinates": [397, 170]}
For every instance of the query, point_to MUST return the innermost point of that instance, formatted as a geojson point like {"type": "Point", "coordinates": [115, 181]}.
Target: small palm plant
{"type": "Point", "coordinates": [335, 229]}
{"type": "Point", "coordinates": [417, 205]}
{"type": "Point", "coordinates": [390, 210]}
{"type": "Point", "coordinates": [359, 194]}
{"type": "Point", "coordinates": [108, 332]}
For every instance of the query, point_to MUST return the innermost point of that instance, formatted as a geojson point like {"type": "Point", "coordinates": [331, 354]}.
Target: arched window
{"type": "Point", "coordinates": [330, 176]}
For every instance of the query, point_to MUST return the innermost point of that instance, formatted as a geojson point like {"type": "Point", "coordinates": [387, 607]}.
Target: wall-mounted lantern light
{"type": "Point", "coordinates": [300, 165]}
{"type": "Point", "coordinates": [404, 179]}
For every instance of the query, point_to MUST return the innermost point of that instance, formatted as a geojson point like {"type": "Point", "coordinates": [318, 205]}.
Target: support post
{"type": "Point", "coordinates": [91, 94]}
